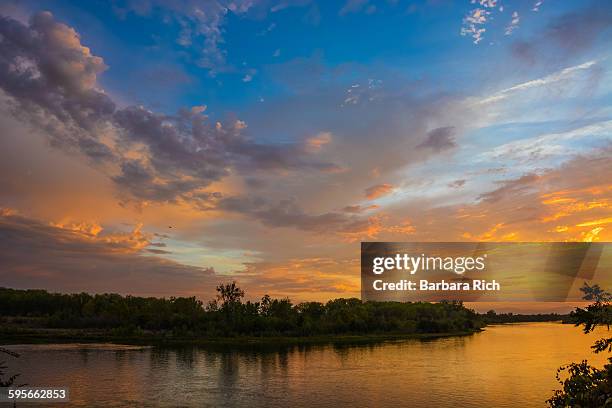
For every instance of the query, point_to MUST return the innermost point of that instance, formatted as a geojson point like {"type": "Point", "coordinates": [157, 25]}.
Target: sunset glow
{"type": "Point", "coordinates": [160, 148]}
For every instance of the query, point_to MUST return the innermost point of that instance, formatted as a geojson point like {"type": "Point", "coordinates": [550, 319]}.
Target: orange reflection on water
{"type": "Point", "coordinates": [504, 366]}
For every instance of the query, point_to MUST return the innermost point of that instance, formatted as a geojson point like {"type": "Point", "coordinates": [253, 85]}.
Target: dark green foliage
{"type": "Point", "coordinates": [229, 315]}
{"type": "Point", "coordinates": [7, 380]}
{"type": "Point", "coordinates": [491, 317]}
{"type": "Point", "coordinates": [584, 385]}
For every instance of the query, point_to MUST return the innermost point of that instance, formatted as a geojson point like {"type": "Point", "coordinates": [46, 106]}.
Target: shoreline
{"type": "Point", "coordinates": [64, 336]}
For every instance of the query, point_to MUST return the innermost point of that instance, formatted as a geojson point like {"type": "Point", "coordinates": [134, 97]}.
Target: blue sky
{"type": "Point", "coordinates": [408, 41]}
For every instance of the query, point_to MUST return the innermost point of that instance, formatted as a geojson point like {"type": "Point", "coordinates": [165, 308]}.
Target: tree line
{"type": "Point", "coordinates": [491, 317]}
{"type": "Point", "coordinates": [229, 315]}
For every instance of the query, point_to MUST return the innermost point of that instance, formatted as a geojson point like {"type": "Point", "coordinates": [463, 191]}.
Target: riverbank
{"type": "Point", "coordinates": [49, 336]}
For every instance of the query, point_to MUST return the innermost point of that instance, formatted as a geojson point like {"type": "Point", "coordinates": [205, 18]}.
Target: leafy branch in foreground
{"type": "Point", "coordinates": [584, 385]}
{"type": "Point", "coordinates": [4, 380]}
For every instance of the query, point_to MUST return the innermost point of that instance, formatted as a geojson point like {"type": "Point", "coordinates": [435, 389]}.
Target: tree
{"type": "Point", "coordinates": [228, 315]}
{"type": "Point", "coordinates": [229, 293]}
{"type": "Point", "coordinates": [587, 386]}
{"type": "Point", "coordinates": [264, 305]}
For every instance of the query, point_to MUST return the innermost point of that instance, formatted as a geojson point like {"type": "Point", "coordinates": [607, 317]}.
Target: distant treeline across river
{"type": "Point", "coordinates": [228, 315]}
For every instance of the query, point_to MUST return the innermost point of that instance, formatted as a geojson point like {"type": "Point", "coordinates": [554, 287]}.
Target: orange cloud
{"type": "Point", "coordinates": [86, 228]}
{"type": "Point", "coordinates": [493, 234]}
{"type": "Point", "coordinates": [592, 235]}
{"type": "Point", "coordinates": [316, 143]}
{"type": "Point", "coordinates": [376, 227]}
{"type": "Point", "coordinates": [595, 222]}
{"type": "Point", "coordinates": [378, 190]}
{"type": "Point", "coordinates": [302, 279]}
{"type": "Point", "coordinates": [356, 209]}
{"type": "Point", "coordinates": [81, 257]}
{"type": "Point", "coordinates": [134, 241]}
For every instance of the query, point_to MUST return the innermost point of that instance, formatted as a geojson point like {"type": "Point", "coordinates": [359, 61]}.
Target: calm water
{"type": "Point", "coordinates": [505, 366]}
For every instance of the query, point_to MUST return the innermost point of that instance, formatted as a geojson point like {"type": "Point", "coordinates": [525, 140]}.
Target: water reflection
{"type": "Point", "coordinates": [505, 366]}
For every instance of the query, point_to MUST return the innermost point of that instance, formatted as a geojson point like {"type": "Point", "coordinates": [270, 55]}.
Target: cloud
{"type": "Point", "coordinates": [475, 21]}
{"type": "Point", "coordinates": [457, 184]}
{"type": "Point", "coordinates": [45, 69]}
{"type": "Point", "coordinates": [303, 279]}
{"type": "Point", "coordinates": [514, 23]}
{"type": "Point", "coordinates": [576, 31]}
{"type": "Point", "coordinates": [562, 75]}
{"type": "Point", "coordinates": [82, 257]}
{"type": "Point", "coordinates": [349, 224]}
{"type": "Point", "coordinates": [356, 209]}
{"type": "Point", "coordinates": [51, 79]}
{"type": "Point", "coordinates": [513, 187]}
{"type": "Point", "coordinates": [473, 24]}
{"type": "Point", "coordinates": [378, 190]}
{"type": "Point", "coordinates": [569, 203]}
{"type": "Point", "coordinates": [566, 35]}
{"type": "Point", "coordinates": [578, 28]}
{"type": "Point", "coordinates": [537, 5]}
{"type": "Point", "coordinates": [369, 91]}
{"type": "Point", "coordinates": [439, 139]}
{"type": "Point", "coordinates": [316, 142]}
{"type": "Point", "coordinates": [202, 24]}
{"type": "Point", "coordinates": [560, 144]}
{"type": "Point", "coordinates": [288, 213]}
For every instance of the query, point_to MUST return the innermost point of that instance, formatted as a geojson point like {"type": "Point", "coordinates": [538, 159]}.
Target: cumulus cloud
{"type": "Point", "coordinates": [51, 79]}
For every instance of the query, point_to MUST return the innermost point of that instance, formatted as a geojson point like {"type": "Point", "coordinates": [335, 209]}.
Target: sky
{"type": "Point", "coordinates": [159, 147]}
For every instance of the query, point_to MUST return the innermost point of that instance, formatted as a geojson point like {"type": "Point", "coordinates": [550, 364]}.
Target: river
{"type": "Point", "coordinates": [504, 366]}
